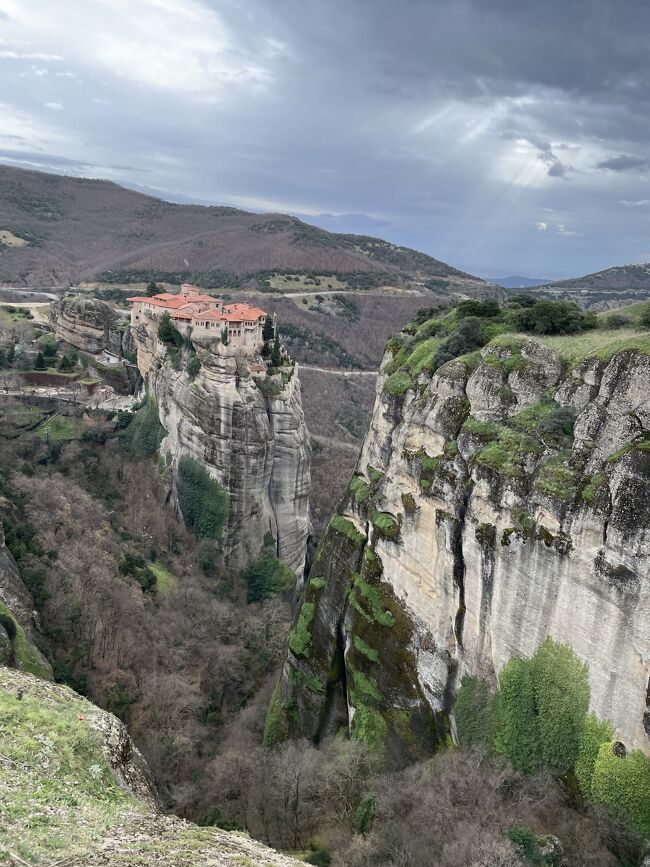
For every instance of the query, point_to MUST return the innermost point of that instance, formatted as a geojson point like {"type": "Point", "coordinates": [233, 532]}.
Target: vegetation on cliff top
{"type": "Point", "coordinates": [437, 336]}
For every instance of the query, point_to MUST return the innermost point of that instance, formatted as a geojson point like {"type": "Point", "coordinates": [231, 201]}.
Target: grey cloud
{"type": "Point", "coordinates": [623, 163]}
{"type": "Point", "coordinates": [447, 125]}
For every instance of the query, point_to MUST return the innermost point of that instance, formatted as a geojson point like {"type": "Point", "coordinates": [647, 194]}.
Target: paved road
{"type": "Point", "coordinates": [337, 444]}
{"type": "Point", "coordinates": [338, 371]}
{"type": "Point", "coordinates": [357, 292]}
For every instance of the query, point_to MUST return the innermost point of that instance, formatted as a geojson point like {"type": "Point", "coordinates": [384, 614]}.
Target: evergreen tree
{"type": "Point", "coordinates": [3, 359]}
{"type": "Point", "coordinates": [268, 332]}
{"type": "Point", "coordinates": [152, 289]}
{"type": "Point", "coordinates": [39, 363]}
{"type": "Point", "coordinates": [10, 354]}
{"type": "Point", "coordinates": [518, 733]}
{"type": "Point", "coordinates": [562, 701]}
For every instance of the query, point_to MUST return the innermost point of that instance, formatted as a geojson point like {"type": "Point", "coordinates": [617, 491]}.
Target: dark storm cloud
{"type": "Point", "coordinates": [456, 126]}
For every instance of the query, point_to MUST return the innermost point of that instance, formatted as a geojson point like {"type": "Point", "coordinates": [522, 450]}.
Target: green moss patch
{"type": "Point", "coordinates": [300, 637]}
{"type": "Point", "coordinates": [386, 526]}
{"type": "Point", "coordinates": [398, 383]}
{"type": "Point", "coordinates": [557, 479]}
{"type": "Point", "coordinates": [346, 528]}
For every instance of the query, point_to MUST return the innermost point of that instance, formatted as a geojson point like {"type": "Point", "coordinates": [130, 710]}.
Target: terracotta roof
{"type": "Point", "coordinates": [198, 299]}
{"type": "Point", "coordinates": [209, 314]}
{"type": "Point", "coordinates": [175, 304]}
{"type": "Point", "coordinates": [243, 311]}
{"type": "Point", "coordinates": [177, 314]}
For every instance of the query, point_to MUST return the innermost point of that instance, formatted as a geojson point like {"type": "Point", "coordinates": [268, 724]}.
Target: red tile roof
{"type": "Point", "coordinates": [209, 314]}
{"type": "Point", "coordinates": [172, 304]}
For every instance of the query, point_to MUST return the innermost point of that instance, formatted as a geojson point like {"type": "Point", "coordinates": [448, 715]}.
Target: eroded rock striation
{"type": "Point", "coordinates": [502, 499]}
{"type": "Point", "coordinates": [254, 443]}
{"type": "Point", "coordinates": [90, 325]}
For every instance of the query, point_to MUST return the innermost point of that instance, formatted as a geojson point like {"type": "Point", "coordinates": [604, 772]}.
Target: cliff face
{"type": "Point", "coordinates": [90, 325]}
{"type": "Point", "coordinates": [476, 525]}
{"type": "Point", "coordinates": [256, 446]}
{"type": "Point", "coordinates": [18, 619]}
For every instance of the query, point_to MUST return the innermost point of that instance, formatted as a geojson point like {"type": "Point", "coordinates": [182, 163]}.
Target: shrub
{"type": "Point", "coordinates": [145, 432]}
{"type": "Point", "coordinates": [168, 333]}
{"type": "Point", "coordinates": [562, 700]}
{"type": "Point", "coordinates": [623, 784]}
{"type": "Point", "coordinates": [518, 734]}
{"type": "Point", "coordinates": [360, 490]}
{"type": "Point", "coordinates": [266, 577]}
{"type": "Point", "coordinates": [472, 712]}
{"type": "Point", "coordinates": [595, 733]}
{"type": "Point", "coordinates": [201, 499]}
{"type": "Point", "coordinates": [554, 317]}
{"type": "Point", "coordinates": [193, 365]}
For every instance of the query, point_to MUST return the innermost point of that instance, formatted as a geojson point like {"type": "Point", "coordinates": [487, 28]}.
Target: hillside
{"type": "Point", "coordinates": [75, 790]}
{"type": "Point", "coordinates": [613, 287]}
{"type": "Point", "coordinates": [57, 230]}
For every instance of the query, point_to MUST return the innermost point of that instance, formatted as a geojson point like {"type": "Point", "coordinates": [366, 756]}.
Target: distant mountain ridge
{"type": "Point", "coordinates": [57, 230]}
{"type": "Point", "coordinates": [612, 287]}
{"type": "Point", "coordinates": [517, 281]}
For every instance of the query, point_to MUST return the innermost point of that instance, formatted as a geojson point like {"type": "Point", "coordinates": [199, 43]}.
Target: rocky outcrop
{"type": "Point", "coordinates": [477, 524]}
{"type": "Point", "coordinates": [90, 325]}
{"type": "Point", "coordinates": [67, 760]}
{"type": "Point", "coordinates": [253, 442]}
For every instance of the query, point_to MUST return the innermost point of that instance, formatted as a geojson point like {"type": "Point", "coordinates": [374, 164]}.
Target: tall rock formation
{"type": "Point", "coordinates": [251, 438]}
{"type": "Point", "coordinates": [477, 524]}
{"type": "Point", "coordinates": [90, 325]}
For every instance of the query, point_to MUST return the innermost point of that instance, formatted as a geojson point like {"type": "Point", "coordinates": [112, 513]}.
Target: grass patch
{"type": "Point", "coordinates": [398, 383]}
{"type": "Point", "coordinates": [508, 453]}
{"type": "Point", "coordinates": [60, 428]}
{"type": "Point", "coordinates": [386, 525]}
{"type": "Point", "coordinates": [166, 582]}
{"type": "Point", "coordinates": [557, 479]}
{"type": "Point", "coordinates": [57, 792]}
{"type": "Point", "coordinates": [360, 490]}
{"type": "Point", "coordinates": [602, 343]}
{"type": "Point", "coordinates": [28, 657]}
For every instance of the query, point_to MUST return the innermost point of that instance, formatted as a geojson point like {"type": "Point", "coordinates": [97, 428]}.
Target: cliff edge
{"type": "Point", "coordinates": [499, 499]}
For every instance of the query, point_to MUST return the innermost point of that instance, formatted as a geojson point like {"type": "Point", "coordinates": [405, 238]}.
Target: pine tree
{"type": "Point", "coordinates": [39, 363]}
{"type": "Point", "coordinates": [268, 331]}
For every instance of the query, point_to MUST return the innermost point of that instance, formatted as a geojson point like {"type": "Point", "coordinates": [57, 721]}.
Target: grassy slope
{"type": "Point", "coordinates": [60, 803]}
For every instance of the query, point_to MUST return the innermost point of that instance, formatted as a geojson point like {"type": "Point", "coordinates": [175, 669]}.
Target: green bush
{"type": "Point", "coordinates": [472, 712]}
{"type": "Point", "coordinates": [562, 700]}
{"type": "Point", "coordinates": [193, 365]}
{"type": "Point", "coordinates": [145, 433]}
{"type": "Point", "coordinates": [168, 333]}
{"type": "Point", "coordinates": [623, 784]}
{"type": "Point", "coordinates": [266, 577]}
{"type": "Point", "coordinates": [9, 625]}
{"type": "Point", "coordinates": [595, 733]}
{"type": "Point", "coordinates": [518, 732]}
{"type": "Point", "coordinates": [201, 499]}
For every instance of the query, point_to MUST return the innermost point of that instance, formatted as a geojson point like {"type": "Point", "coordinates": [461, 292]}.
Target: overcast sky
{"type": "Point", "coordinates": [502, 136]}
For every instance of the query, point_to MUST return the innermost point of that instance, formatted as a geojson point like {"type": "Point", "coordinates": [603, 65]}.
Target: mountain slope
{"type": "Point", "coordinates": [59, 230]}
{"type": "Point", "coordinates": [613, 287]}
